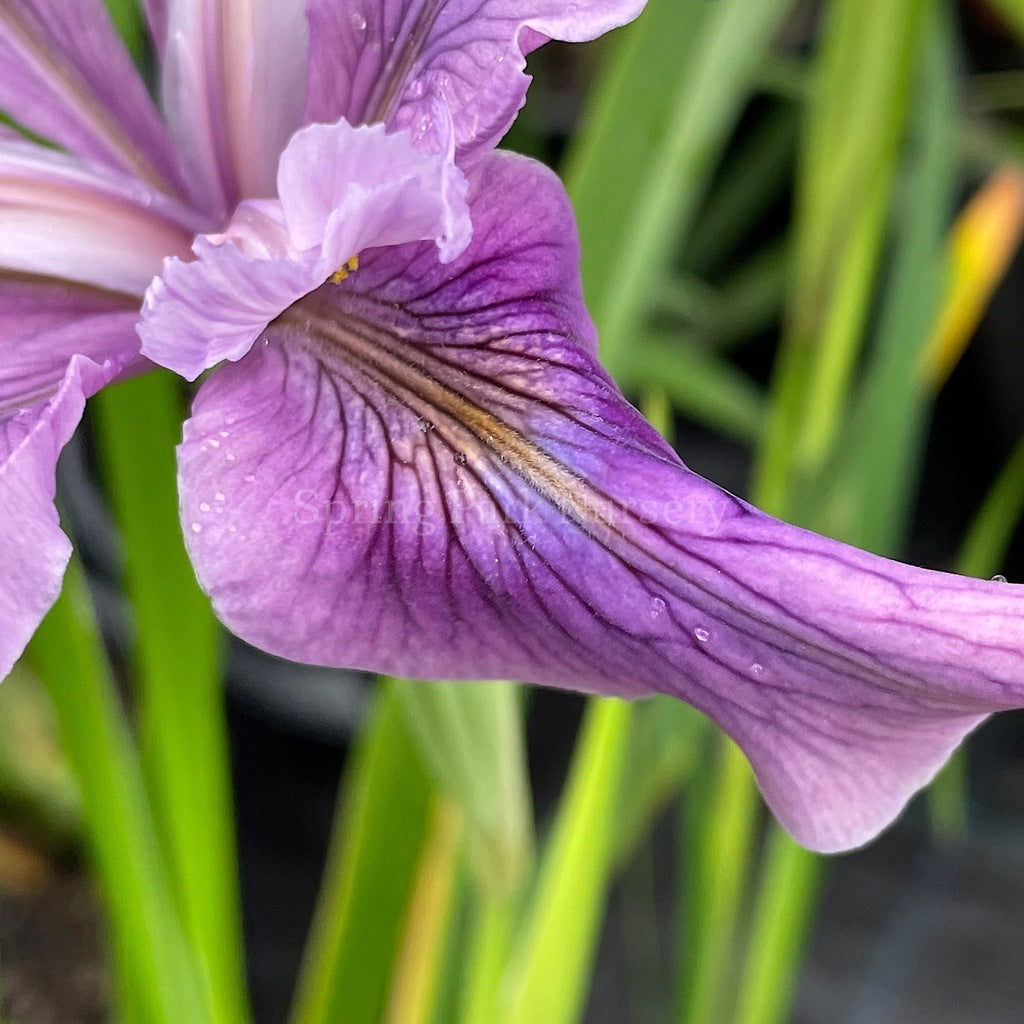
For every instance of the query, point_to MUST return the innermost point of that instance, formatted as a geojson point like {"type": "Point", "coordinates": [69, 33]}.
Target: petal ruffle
{"type": "Point", "coordinates": [384, 60]}
{"type": "Point", "coordinates": [343, 190]}
{"type": "Point", "coordinates": [34, 552]}
{"type": "Point", "coordinates": [234, 88]}
{"type": "Point", "coordinates": [67, 77]}
{"type": "Point", "coordinates": [60, 217]}
{"type": "Point", "coordinates": [426, 472]}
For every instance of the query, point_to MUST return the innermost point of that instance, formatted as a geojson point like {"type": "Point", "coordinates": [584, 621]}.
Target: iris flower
{"type": "Point", "coordinates": [406, 457]}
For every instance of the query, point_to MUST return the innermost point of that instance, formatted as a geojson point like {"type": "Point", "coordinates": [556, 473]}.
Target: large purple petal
{"type": "Point", "coordinates": [60, 217]}
{"type": "Point", "coordinates": [426, 472]}
{"type": "Point", "coordinates": [384, 60]}
{"type": "Point", "coordinates": [342, 189]}
{"type": "Point", "coordinates": [66, 76]}
{"type": "Point", "coordinates": [33, 550]}
{"type": "Point", "coordinates": [234, 88]}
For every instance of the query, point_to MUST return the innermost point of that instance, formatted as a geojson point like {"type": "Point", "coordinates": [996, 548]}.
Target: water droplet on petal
{"type": "Point", "coordinates": [757, 670]}
{"type": "Point", "coordinates": [657, 607]}
{"type": "Point", "coordinates": [197, 527]}
{"type": "Point", "coordinates": [461, 458]}
{"type": "Point", "coordinates": [358, 22]}
{"type": "Point", "coordinates": [204, 507]}
{"type": "Point", "coordinates": [417, 89]}
{"type": "Point", "coordinates": [999, 578]}
{"type": "Point", "coordinates": [702, 635]}
{"type": "Point", "coordinates": [219, 496]}
{"type": "Point", "coordinates": [250, 478]}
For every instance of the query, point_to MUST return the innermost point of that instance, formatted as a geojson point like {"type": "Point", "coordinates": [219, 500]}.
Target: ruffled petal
{"type": "Point", "coordinates": [343, 190]}
{"type": "Point", "coordinates": [34, 552]}
{"type": "Point", "coordinates": [60, 217]}
{"type": "Point", "coordinates": [385, 60]}
{"type": "Point", "coordinates": [425, 472]}
{"type": "Point", "coordinates": [67, 77]}
{"type": "Point", "coordinates": [234, 87]}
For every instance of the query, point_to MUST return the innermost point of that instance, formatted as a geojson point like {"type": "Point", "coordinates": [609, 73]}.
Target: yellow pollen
{"type": "Point", "coordinates": [351, 266]}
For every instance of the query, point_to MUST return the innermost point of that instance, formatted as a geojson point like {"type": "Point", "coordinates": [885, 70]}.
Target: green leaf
{"type": "Point", "coordinates": [551, 963]}
{"type": "Point", "coordinates": [127, 18]}
{"type": "Point", "coordinates": [177, 671]}
{"type": "Point", "coordinates": [471, 737]}
{"type": "Point", "coordinates": [702, 385]}
{"type": "Point", "coordinates": [854, 128]}
{"type": "Point", "coordinates": [379, 835]}
{"type": "Point", "coordinates": [659, 118]}
{"type": "Point", "coordinates": [159, 980]}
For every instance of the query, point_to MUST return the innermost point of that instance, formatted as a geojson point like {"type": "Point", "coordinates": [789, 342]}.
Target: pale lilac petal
{"type": "Point", "coordinates": [234, 90]}
{"type": "Point", "coordinates": [384, 60]}
{"type": "Point", "coordinates": [62, 218]}
{"type": "Point", "coordinates": [45, 322]}
{"type": "Point", "coordinates": [33, 550]}
{"type": "Point", "coordinates": [425, 472]}
{"type": "Point", "coordinates": [67, 77]}
{"type": "Point", "coordinates": [343, 190]}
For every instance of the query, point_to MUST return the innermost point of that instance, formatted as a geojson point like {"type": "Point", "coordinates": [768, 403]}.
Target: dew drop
{"type": "Point", "coordinates": [358, 22]}
{"type": "Point", "coordinates": [197, 527]}
{"type": "Point", "coordinates": [225, 433]}
{"type": "Point", "coordinates": [230, 457]}
{"type": "Point", "coordinates": [417, 89]}
{"type": "Point", "coordinates": [461, 458]}
{"type": "Point", "coordinates": [702, 635]}
{"type": "Point", "coordinates": [250, 478]}
{"type": "Point", "coordinates": [219, 496]}
{"type": "Point", "coordinates": [425, 426]}
{"type": "Point", "coordinates": [205, 507]}
{"type": "Point", "coordinates": [213, 442]}
{"type": "Point", "coordinates": [657, 607]}
{"type": "Point", "coordinates": [757, 670]}
{"type": "Point", "coordinates": [999, 578]}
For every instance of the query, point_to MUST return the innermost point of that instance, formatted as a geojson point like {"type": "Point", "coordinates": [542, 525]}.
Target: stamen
{"type": "Point", "coordinates": [351, 266]}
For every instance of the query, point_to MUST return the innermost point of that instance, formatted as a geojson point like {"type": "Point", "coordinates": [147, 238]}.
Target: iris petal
{"type": "Point", "coordinates": [384, 60]}
{"type": "Point", "coordinates": [67, 77]}
{"type": "Point", "coordinates": [425, 471]}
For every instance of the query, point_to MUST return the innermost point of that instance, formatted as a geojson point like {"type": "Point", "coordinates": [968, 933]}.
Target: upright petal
{"type": "Point", "coordinates": [33, 550]}
{"type": "Point", "coordinates": [384, 60]}
{"type": "Point", "coordinates": [156, 19]}
{"type": "Point", "coordinates": [62, 218]}
{"type": "Point", "coordinates": [425, 471]}
{"type": "Point", "coordinates": [234, 89]}
{"type": "Point", "coordinates": [343, 190]}
{"type": "Point", "coordinates": [67, 77]}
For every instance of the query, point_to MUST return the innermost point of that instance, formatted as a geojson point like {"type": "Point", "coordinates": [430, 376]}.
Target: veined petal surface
{"type": "Point", "coordinates": [423, 470]}
{"type": "Point", "coordinates": [67, 77]}
{"type": "Point", "coordinates": [342, 190]}
{"type": "Point", "coordinates": [385, 60]}
{"type": "Point", "coordinates": [60, 217]}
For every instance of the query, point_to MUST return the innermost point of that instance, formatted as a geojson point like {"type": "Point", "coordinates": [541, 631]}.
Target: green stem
{"type": "Point", "coordinates": [158, 978]}
{"type": "Point", "coordinates": [181, 698]}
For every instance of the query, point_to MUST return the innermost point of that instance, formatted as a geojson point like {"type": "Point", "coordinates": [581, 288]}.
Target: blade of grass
{"type": "Point", "coordinates": [854, 127]}
{"type": "Point", "coordinates": [176, 658]}
{"type": "Point", "coordinates": [419, 962]}
{"type": "Point", "coordinates": [702, 385]}
{"type": "Point", "coordinates": [657, 141]}
{"type": "Point", "coordinates": [158, 979]}
{"type": "Point", "coordinates": [552, 960]}
{"type": "Point", "coordinates": [471, 738]}
{"type": "Point", "coordinates": [379, 835]}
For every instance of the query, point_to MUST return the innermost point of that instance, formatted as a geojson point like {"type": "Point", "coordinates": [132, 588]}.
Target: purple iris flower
{"type": "Point", "coordinates": [407, 457]}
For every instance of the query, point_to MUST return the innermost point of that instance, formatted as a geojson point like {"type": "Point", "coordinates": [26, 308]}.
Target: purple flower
{"type": "Point", "coordinates": [408, 458]}
{"type": "Point", "coordinates": [83, 232]}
